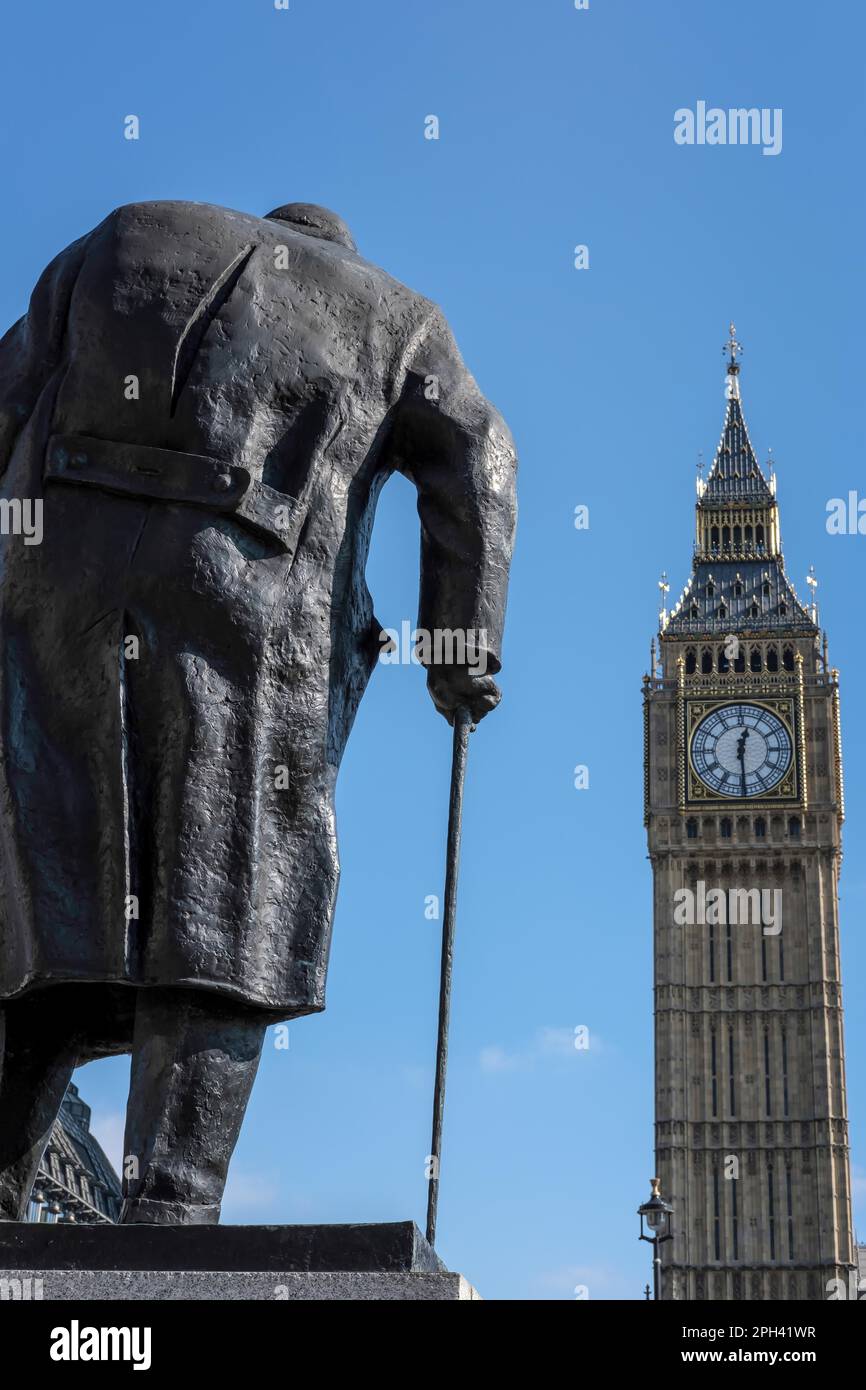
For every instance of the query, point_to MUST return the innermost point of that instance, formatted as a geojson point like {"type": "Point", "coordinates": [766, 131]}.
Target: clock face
{"type": "Point", "coordinates": [741, 750]}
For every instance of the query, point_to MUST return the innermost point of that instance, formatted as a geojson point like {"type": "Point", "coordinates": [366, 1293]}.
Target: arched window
{"type": "Point", "coordinates": [711, 588]}
{"type": "Point", "coordinates": [740, 658]}
{"type": "Point", "coordinates": [738, 537]}
{"type": "Point", "coordinates": [755, 659]}
{"type": "Point", "coordinates": [726, 538]}
{"type": "Point", "coordinates": [794, 827]}
{"type": "Point", "coordinates": [695, 611]}
{"type": "Point", "coordinates": [759, 537]}
{"type": "Point", "coordinates": [783, 608]}
{"type": "Point", "coordinates": [723, 663]}
{"type": "Point", "coordinates": [788, 658]}
{"type": "Point", "coordinates": [707, 661]}
{"type": "Point", "coordinates": [723, 612]}
{"type": "Point", "coordinates": [726, 827]}
{"type": "Point", "coordinates": [766, 589]}
{"type": "Point", "coordinates": [760, 828]}
{"type": "Point", "coordinates": [747, 536]}
{"type": "Point", "coordinates": [772, 659]}
{"type": "Point", "coordinates": [754, 610]}
{"type": "Point", "coordinates": [714, 538]}
{"type": "Point", "coordinates": [691, 661]}
{"type": "Point", "coordinates": [738, 588]}
{"type": "Point", "coordinates": [691, 828]}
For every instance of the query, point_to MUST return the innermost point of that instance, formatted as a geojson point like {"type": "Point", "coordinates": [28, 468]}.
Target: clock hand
{"type": "Point", "coordinates": [741, 754]}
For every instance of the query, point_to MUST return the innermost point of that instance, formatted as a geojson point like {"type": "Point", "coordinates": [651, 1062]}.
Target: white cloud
{"type": "Point", "coordinates": [547, 1044]}
{"type": "Point", "coordinates": [598, 1280]}
{"type": "Point", "coordinates": [249, 1191]}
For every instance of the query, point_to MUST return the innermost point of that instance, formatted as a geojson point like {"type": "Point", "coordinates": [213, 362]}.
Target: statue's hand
{"type": "Point", "coordinates": [451, 686]}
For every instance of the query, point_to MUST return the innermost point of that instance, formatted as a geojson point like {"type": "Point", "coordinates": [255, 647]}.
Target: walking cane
{"type": "Point", "coordinates": [462, 728]}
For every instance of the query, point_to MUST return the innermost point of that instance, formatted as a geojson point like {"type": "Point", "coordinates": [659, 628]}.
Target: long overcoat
{"type": "Point", "coordinates": [206, 404]}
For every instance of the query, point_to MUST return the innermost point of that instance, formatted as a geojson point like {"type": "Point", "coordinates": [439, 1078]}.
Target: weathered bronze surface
{"type": "Point", "coordinates": [206, 404]}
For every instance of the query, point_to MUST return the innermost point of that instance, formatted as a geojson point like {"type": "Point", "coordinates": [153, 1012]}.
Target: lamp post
{"type": "Point", "coordinates": [657, 1214]}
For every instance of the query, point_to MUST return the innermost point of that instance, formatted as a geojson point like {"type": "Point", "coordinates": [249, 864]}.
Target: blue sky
{"type": "Point", "coordinates": [556, 128]}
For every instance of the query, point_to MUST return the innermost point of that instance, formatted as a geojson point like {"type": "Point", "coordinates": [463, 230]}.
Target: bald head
{"type": "Point", "coordinates": [314, 221]}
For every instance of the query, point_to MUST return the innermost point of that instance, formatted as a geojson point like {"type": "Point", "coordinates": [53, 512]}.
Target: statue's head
{"type": "Point", "coordinates": [315, 221]}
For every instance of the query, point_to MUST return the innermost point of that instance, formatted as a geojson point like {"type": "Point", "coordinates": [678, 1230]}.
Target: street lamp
{"type": "Point", "coordinates": [657, 1214]}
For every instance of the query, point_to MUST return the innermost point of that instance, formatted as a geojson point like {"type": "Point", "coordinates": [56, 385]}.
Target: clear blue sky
{"type": "Point", "coordinates": [556, 129]}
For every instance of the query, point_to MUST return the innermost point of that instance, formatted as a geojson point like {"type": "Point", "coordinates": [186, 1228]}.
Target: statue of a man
{"type": "Point", "coordinates": [206, 404]}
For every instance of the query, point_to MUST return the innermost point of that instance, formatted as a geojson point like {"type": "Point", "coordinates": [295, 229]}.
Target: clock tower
{"type": "Point", "coordinates": [743, 809]}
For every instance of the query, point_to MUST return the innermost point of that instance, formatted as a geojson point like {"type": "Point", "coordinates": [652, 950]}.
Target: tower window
{"type": "Point", "coordinates": [760, 828]}
{"type": "Point", "coordinates": [766, 590]}
{"type": "Point", "coordinates": [711, 589]}
{"type": "Point", "coordinates": [772, 659]}
{"type": "Point", "coordinates": [794, 827]}
{"type": "Point", "coordinates": [754, 610]}
{"type": "Point", "coordinates": [783, 608]}
{"type": "Point", "coordinates": [771, 1211]}
{"type": "Point", "coordinates": [755, 659]}
{"type": "Point", "coordinates": [723, 664]}
{"type": "Point", "coordinates": [740, 659]}
{"type": "Point", "coordinates": [788, 658]}
{"type": "Point", "coordinates": [723, 612]}
{"type": "Point", "coordinates": [707, 661]}
{"type": "Point", "coordinates": [738, 588]}
{"type": "Point", "coordinates": [691, 659]}
{"type": "Point", "coordinates": [726, 828]}
{"type": "Point", "coordinates": [691, 828]}
{"type": "Point", "coordinates": [729, 949]}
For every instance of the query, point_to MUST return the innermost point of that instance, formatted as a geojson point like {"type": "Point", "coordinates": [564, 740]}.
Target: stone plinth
{"type": "Point", "coordinates": [377, 1262]}
{"type": "Point", "coordinates": [225, 1285]}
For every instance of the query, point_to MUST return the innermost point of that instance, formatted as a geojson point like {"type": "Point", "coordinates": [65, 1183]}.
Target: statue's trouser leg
{"type": "Point", "coordinates": [38, 1054]}
{"type": "Point", "coordinates": [194, 1062]}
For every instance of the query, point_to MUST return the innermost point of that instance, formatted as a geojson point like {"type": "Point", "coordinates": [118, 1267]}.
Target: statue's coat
{"type": "Point", "coordinates": [195, 631]}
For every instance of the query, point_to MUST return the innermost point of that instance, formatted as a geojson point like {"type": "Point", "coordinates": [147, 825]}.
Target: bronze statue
{"type": "Point", "coordinates": [206, 404]}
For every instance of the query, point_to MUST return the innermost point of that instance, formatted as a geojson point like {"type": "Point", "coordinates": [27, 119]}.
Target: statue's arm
{"type": "Point", "coordinates": [457, 450]}
{"type": "Point", "coordinates": [33, 347]}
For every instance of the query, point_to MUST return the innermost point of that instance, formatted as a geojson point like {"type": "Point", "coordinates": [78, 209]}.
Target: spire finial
{"type": "Point", "coordinates": [734, 350]}
{"type": "Point", "coordinates": [664, 590]}
{"type": "Point", "coordinates": [812, 581]}
{"type": "Point", "coordinates": [700, 484]}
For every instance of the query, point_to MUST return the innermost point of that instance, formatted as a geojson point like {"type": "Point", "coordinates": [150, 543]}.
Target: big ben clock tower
{"type": "Point", "coordinates": [744, 808]}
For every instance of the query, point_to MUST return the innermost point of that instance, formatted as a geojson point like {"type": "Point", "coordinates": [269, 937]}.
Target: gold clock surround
{"type": "Point", "coordinates": [786, 792]}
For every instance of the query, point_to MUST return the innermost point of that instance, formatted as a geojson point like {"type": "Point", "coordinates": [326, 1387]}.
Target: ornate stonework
{"type": "Point", "coordinates": [744, 838]}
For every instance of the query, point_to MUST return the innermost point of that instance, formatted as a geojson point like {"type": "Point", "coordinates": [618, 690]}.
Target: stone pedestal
{"type": "Point", "coordinates": [369, 1263]}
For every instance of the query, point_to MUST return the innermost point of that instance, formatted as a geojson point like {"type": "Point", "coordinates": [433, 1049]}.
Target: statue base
{"type": "Point", "coordinates": [376, 1262]}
